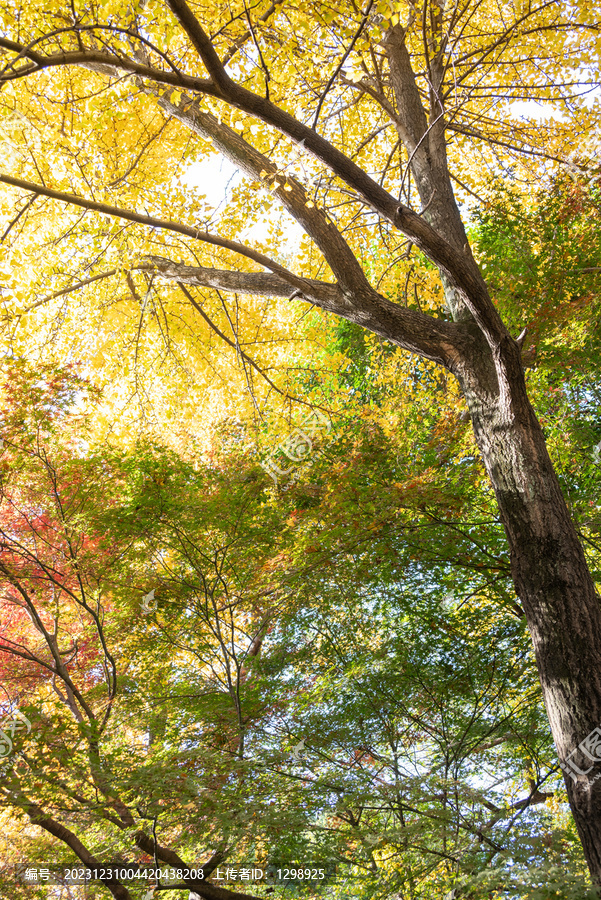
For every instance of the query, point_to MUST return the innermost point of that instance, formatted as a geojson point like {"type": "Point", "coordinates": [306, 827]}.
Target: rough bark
{"type": "Point", "coordinates": [552, 580]}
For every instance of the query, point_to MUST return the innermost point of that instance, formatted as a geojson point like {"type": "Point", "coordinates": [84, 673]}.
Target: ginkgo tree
{"type": "Point", "coordinates": [361, 125]}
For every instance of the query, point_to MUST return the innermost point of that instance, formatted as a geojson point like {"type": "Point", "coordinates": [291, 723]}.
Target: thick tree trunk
{"type": "Point", "coordinates": [551, 578]}
{"type": "Point", "coordinates": [549, 569]}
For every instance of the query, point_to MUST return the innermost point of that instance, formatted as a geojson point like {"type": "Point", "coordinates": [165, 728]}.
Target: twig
{"type": "Point", "coordinates": [345, 56]}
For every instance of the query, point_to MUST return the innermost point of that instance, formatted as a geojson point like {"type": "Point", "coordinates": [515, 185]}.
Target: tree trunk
{"type": "Point", "coordinates": [549, 569]}
{"type": "Point", "coordinates": [551, 578]}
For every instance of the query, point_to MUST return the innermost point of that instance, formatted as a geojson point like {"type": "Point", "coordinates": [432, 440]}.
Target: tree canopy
{"type": "Point", "coordinates": [299, 531]}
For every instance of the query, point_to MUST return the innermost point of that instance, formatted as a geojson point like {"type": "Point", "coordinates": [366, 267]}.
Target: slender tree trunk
{"type": "Point", "coordinates": [551, 578]}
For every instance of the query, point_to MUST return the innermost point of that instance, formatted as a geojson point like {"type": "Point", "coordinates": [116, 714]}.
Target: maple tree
{"type": "Point", "coordinates": [67, 569]}
{"type": "Point", "coordinates": [143, 90]}
{"type": "Point", "coordinates": [195, 719]}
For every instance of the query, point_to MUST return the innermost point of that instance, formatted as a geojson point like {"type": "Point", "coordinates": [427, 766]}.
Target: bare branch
{"type": "Point", "coordinates": [239, 42]}
{"type": "Point", "coordinates": [225, 338]}
{"type": "Point", "coordinates": [74, 287]}
{"type": "Point", "coordinates": [254, 283]}
{"type": "Point", "coordinates": [344, 58]}
{"type": "Point", "coordinates": [21, 212]}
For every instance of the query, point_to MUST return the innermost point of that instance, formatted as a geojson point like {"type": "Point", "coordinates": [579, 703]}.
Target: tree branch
{"type": "Point", "coordinates": [225, 338]}
{"type": "Point", "coordinates": [433, 338]}
{"type": "Point", "coordinates": [254, 283]}
{"type": "Point", "coordinates": [209, 891]}
{"type": "Point", "coordinates": [289, 192]}
{"type": "Point", "coordinates": [344, 58]}
{"type": "Point", "coordinates": [412, 330]}
{"type": "Point", "coordinates": [68, 290]}
{"type": "Point", "coordinates": [459, 268]}
{"type": "Point", "coordinates": [239, 42]}
{"type": "Point", "coordinates": [38, 817]}
{"type": "Point", "coordinates": [201, 887]}
{"type": "Point", "coordinates": [297, 283]}
{"type": "Point", "coordinates": [104, 62]}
